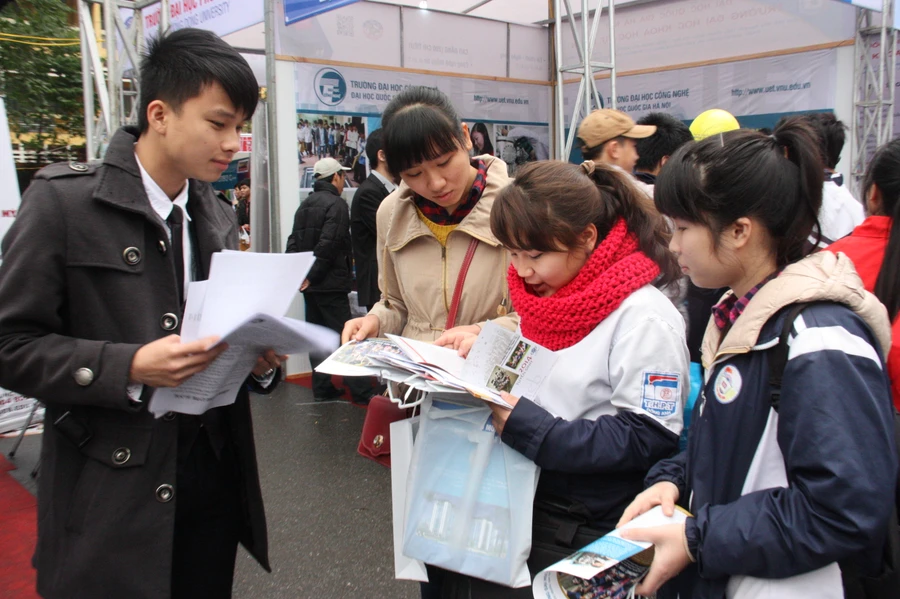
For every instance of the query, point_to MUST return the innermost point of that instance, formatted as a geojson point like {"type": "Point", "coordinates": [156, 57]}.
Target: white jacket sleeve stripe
{"type": "Point", "coordinates": [836, 338]}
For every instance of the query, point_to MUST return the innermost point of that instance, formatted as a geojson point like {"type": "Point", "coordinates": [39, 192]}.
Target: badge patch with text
{"type": "Point", "coordinates": [660, 393]}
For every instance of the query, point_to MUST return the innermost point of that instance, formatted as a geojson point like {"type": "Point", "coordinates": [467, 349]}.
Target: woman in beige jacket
{"type": "Point", "coordinates": [427, 226]}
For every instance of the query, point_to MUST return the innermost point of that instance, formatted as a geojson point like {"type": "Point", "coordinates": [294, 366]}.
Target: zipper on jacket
{"type": "Point", "coordinates": [444, 271]}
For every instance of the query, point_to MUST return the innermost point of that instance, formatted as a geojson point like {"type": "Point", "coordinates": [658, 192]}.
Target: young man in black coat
{"type": "Point", "coordinates": [377, 186]}
{"type": "Point", "coordinates": [91, 294]}
{"type": "Point", "coordinates": [322, 226]}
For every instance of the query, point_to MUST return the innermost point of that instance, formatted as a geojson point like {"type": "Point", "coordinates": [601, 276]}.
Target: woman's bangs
{"type": "Point", "coordinates": [417, 135]}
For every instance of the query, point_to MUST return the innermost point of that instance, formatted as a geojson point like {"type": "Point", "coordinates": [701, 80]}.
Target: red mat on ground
{"type": "Point", "coordinates": [18, 535]}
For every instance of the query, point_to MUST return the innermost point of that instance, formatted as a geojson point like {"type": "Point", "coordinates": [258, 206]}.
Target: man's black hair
{"type": "Point", "coordinates": [374, 142]}
{"type": "Point", "coordinates": [833, 134]}
{"type": "Point", "coordinates": [242, 182]}
{"type": "Point", "coordinates": [670, 135]}
{"type": "Point", "coordinates": [179, 65]}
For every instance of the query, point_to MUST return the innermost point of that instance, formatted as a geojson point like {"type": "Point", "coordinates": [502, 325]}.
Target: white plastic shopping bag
{"type": "Point", "coordinates": [405, 568]}
{"type": "Point", "coordinates": [470, 498]}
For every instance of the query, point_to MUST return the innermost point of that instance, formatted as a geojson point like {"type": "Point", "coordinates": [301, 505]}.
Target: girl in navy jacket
{"type": "Point", "coordinates": [778, 497]}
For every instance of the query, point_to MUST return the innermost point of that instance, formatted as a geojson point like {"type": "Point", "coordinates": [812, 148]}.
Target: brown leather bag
{"type": "Point", "coordinates": [375, 441]}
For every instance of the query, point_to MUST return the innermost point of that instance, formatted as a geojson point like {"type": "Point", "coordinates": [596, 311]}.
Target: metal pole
{"type": "Point", "coordinates": [272, 130]}
{"type": "Point", "coordinates": [560, 105]}
{"type": "Point", "coordinates": [612, 51]}
{"type": "Point", "coordinates": [163, 16]}
{"type": "Point", "coordinates": [586, 55]}
{"type": "Point", "coordinates": [86, 89]}
{"type": "Point", "coordinates": [112, 71]}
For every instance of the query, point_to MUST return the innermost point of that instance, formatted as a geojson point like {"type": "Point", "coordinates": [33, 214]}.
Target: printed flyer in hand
{"type": "Point", "coordinates": [608, 568]}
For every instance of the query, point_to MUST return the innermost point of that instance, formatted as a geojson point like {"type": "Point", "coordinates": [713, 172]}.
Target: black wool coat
{"type": "Point", "coordinates": [365, 235]}
{"type": "Point", "coordinates": [86, 279]}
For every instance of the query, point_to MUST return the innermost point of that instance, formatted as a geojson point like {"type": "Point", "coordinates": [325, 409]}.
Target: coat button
{"type": "Point", "coordinates": [131, 256]}
{"type": "Point", "coordinates": [169, 322]}
{"type": "Point", "coordinates": [165, 493]}
{"type": "Point", "coordinates": [78, 167]}
{"type": "Point", "coordinates": [121, 456]}
{"type": "Point", "coordinates": [378, 441]}
{"type": "Point", "coordinates": [84, 376]}
{"type": "Point", "coordinates": [169, 416]}
{"type": "Point", "coordinates": [162, 247]}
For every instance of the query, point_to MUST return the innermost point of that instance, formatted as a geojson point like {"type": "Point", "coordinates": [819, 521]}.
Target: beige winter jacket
{"type": "Point", "coordinates": [821, 277]}
{"type": "Point", "coordinates": [417, 276]}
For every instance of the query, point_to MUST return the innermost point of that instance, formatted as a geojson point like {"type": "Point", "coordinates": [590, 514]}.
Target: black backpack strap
{"type": "Point", "coordinates": [779, 354]}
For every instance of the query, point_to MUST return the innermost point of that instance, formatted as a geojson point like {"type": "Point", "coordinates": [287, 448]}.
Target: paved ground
{"type": "Point", "coordinates": [328, 509]}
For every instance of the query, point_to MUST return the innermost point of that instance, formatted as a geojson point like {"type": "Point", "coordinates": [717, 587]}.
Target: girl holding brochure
{"type": "Point", "coordinates": [585, 257]}
{"type": "Point", "coordinates": [439, 265]}
{"type": "Point", "coordinates": [781, 487]}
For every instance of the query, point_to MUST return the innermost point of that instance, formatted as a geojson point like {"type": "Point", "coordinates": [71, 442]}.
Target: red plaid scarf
{"type": "Point", "coordinates": [438, 215]}
{"type": "Point", "coordinates": [729, 309]}
{"type": "Point", "coordinates": [616, 269]}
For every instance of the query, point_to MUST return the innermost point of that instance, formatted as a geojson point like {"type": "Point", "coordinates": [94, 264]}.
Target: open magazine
{"type": "Point", "coordinates": [607, 568]}
{"type": "Point", "coordinates": [500, 360]}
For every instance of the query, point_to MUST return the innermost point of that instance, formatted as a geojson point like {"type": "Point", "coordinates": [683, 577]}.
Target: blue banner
{"type": "Point", "coordinates": [297, 10]}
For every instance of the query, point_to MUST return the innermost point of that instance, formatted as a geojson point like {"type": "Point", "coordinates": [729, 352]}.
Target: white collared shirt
{"type": "Point", "coordinates": [162, 206]}
{"type": "Point", "coordinates": [389, 185]}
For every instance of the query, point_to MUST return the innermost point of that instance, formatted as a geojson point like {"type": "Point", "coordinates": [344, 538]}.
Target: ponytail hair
{"type": "Point", "coordinates": [884, 172]}
{"type": "Point", "coordinates": [550, 203]}
{"type": "Point", "coordinates": [776, 179]}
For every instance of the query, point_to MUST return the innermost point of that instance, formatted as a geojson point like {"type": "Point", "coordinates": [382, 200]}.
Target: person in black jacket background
{"type": "Point", "coordinates": [322, 226]}
{"type": "Point", "coordinates": [377, 186]}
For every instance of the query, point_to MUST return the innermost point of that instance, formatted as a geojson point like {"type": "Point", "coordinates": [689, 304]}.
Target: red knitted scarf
{"type": "Point", "coordinates": [615, 269]}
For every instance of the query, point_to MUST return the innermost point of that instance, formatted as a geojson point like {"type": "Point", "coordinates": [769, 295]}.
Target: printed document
{"type": "Point", "coordinates": [500, 360]}
{"type": "Point", "coordinates": [243, 302]}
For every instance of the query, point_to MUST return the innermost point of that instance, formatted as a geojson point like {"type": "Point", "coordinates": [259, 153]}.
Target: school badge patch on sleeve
{"type": "Point", "coordinates": [660, 392]}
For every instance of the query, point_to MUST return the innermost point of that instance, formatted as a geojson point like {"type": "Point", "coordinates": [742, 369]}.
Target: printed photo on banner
{"type": "Point", "coordinates": [482, 137]}
{"type": "Point", "coordinates": [520, 144]}
{"type": "Point", "coordinates": [342, 137]}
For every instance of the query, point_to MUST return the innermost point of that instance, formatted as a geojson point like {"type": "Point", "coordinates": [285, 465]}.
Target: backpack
{"type": "Point", "coordinates": [886, 584]}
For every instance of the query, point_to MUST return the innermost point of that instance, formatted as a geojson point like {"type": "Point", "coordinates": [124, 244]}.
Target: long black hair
{"type": "Point", "coordinates": [488, 147]}
{"type": "Point", "coordinates": [420, 124]}
{"type": "Point", "coordinates": [775, 178]}
{"type": "Point", "coordinates": [884, 173]}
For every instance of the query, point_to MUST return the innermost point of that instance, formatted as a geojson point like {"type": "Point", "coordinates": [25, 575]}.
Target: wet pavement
{"type": "Point", "coordinates": [328, 510]}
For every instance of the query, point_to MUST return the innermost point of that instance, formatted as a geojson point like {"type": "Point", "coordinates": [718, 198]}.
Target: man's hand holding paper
{"type": "Point", "coordinates": [255, 337]}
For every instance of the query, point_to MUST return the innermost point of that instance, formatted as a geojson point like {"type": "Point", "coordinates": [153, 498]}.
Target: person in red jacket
{"type": "Point", "coordinates": [874, 246]}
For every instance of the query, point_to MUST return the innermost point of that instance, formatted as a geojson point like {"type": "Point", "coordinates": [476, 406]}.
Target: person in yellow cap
{"type": "Point", "coordinates": [712, 122]}
{"type": "Point", "coordinates": [608, 135]}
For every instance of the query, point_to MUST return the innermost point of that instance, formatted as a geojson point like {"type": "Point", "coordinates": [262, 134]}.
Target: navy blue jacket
{"type": "Point", "coordinates": [834, 431]}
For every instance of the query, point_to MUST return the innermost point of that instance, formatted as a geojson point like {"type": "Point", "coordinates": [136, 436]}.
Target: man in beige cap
{"type": "Point", "coordinates": [608, 135]}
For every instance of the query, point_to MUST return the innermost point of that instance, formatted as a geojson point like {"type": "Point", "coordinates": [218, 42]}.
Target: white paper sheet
{"type": "Point", "coordinates": [242, 284]}
{"type": "Point", "coordinates": [243, 302]}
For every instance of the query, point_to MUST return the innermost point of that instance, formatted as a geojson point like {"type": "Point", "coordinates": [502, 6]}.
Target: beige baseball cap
{"type": "Point", "coordinates": [605, 124]}
{"type": "Point", "coordinates": [327, 167]}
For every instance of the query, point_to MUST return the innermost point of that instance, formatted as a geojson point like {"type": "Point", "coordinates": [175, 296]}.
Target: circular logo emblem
{"type": "Point", "coordinates": [330, 87]}
{"type": "Point", "coordinates": [373, 29]}
{"type": "Point", "coordinates": [728, 384]}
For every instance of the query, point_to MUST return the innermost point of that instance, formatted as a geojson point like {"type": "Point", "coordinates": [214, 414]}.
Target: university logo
{"type": "Point", "coordinates": [331, 89]}
{"type": "Point", "coordinates": [660, 393]}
